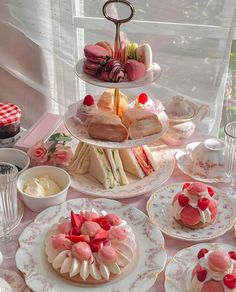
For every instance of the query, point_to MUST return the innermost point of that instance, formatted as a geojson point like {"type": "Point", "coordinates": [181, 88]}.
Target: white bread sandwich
{"type": "Point", "coordinates": [116, 166]}
{"type": "Point", "coordinates": [138, 161]}
{"type": "Point", "coordinates": [141, 123]}
{"type": "Point", "coordinates": [108, 127]}
{"type": "Point", "coordinates": [81, 159]}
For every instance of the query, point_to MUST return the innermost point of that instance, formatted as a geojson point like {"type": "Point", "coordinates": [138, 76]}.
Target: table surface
{"type": "Point", "coordinates": [172, 245]}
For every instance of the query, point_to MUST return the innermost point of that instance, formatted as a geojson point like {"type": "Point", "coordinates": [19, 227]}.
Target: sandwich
{"type": "Point", "coordinates": [108, 127]}
{"type": "Point", "coordinates": [138, 161]}
{"type": "Point", "coordinates": [141, 123]}
{"type": "Point", "coordinates": [116, 166]}
{"type": "Point", "coordinates": [80, 161]}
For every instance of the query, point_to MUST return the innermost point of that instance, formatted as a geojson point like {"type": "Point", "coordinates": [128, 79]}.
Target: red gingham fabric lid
{"type": "Point", "coordinates": [9, 114]}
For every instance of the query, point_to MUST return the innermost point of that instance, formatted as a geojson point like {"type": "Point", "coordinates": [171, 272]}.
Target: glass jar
{"type": "Point", "coordinates": [10, 115]}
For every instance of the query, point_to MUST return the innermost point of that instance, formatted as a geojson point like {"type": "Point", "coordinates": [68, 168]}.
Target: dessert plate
{"type": "Point", "coordinates": [185, 164]}
{"type": "Point", "coordinates": [79, 131]}
{"type": "Point", "coordinates": [159, 209]}
{"type": "Point", "coordinates": [165, 161]}
{"type": "Point", "coordinates": [176, 274]}
{"type": "Point", "coordinates": [14, 280]}
{"type": "Point", "coordinates": [141, 275]}
{"type": "Point", "coordinates": [150, 76]}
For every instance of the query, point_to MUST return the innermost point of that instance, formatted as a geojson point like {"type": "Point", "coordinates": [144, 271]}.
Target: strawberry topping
{"type": "Point", "coordinates": [95, 245]}
{"type": "Point", "coordinates": [232, 254]}
{"type": "Point", "coordinates": [211, 192]}
{"type": "Point", "coordinates": [142, 98]}
{"type": "Point", "coordinates": [201, 274]}
{"type": "Point", "coordinates": [102, 235]}
{"type": "Point", "coordinates": [183, 200]}
{"type": "Point", "coordinates": [202, 253]}
{"type": "Point", "coordinates": [75, 231]}
{"type": "Point", "coordinates": [103, 222]}
{"type": "Point", "coordinates": [76, 220]}
{"type": "Point", "coordinates": [185, 186]}
{"type": "Point", "coordinates": [75, 238]}
{"type": "Point", "coordinates": [230, 281]}
{"type": "Point", "coordinates": [203, 203]}
{"type": "Point", "coordinates": [88, 100]}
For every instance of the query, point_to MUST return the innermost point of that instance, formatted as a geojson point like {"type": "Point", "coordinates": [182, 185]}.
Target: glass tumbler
{"type": "Point", "coordinates": [230, 153]}
{"type": "Point", "coordinates": [8, 207]}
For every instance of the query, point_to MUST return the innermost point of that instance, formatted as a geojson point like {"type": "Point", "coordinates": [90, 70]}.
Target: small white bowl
{"type": "Point", "coordinates": [37, 204]}
{"type": "Point", "coordinates": [16, 157]}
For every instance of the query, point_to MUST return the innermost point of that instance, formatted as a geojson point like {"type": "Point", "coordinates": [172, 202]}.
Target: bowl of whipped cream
{"type": "Point", "coordinates": [43, 186]}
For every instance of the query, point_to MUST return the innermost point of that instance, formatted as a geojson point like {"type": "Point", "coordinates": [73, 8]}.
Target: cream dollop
{"type": "Point", "coordinates": [42, 186]}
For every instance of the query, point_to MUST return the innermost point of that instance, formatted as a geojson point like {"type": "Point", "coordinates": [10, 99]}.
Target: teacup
{"type": "Point", "coordinates": [207, 157]}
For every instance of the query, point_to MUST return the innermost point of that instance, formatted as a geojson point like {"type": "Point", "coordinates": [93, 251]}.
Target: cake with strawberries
{"type": "Point", "coordinates": [194, 206]}
{"type": "Point", "coordinates": [215, 271]}
{"type": "Point", "coordinates": [89, 247]}
{"type": "Point", "coordinates": [86, 109]}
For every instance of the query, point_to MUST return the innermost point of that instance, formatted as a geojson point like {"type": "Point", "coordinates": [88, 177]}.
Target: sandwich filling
{"type": "Point", "coordinates": [143, 160]}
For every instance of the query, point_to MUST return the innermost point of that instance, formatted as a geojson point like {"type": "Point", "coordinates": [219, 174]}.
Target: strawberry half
{"type": "Point", "coordinates": [201, 274]}
{"type": "Point", "coordinates": [103, 222]}
{"type": "Point", "coordinates": [183, 200]}
{"type": "Point", "coordinates": [230, 281]}
{"type": "Point", "coordinates": [76, 220]}
{"type": "Point", "coordinates": [95, 245]}
{"type": "Point", "coordinates": [203, 203]}
{"type": "Point", "coordinates": [75, 238]}
{"type": "Point", "coordinates": [232, 254]}
{"type": "Point", "coordinates": [75, 231]}
{"type": "Point", "coordinates": [102, 235]}
{"type": "Point", "coordinates": [211, 192]}
{"type": "Point", "coordinates": [88, 100]}
{"type": "Point", "coordinates": [185, 186]}
{"type": "Point", "coordinates": [202, 253]}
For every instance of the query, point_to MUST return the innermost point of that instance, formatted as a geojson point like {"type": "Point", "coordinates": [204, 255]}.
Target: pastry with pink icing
{"type": "Point", "coordinates": [86, 110]}
{"type": "Point", "coordinates": [215, 271]}
{"type": "Point", "coordinates": [89, 247]}
{"type": "Point", "coordinates": [194, 206]}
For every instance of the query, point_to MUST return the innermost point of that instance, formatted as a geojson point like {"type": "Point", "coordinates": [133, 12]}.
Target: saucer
{"type": "Point", "coordinates": [14, 280]}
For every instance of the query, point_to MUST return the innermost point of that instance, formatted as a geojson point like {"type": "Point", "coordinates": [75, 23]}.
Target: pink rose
{"type": "Point", "coordinates": [62, 155]}
{"type": "Point", "coordinates": [38, 152]}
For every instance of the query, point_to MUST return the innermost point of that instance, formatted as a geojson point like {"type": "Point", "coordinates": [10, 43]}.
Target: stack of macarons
{"type": "Point", "coordinates": [132, 63]}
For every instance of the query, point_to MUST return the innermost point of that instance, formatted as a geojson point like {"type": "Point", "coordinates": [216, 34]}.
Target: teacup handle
{"type": "Point", "coordinates": [203, 111]}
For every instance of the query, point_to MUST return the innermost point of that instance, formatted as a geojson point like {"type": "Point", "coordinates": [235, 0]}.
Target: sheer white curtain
{"type": "Point", "coordinates": [37, 56]}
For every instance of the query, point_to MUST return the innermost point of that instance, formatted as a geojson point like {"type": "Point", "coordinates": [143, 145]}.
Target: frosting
{"type": "Point", "coordinates": [92, 109]}
{"type": "Point", "coordinates": [193, 202]}
{"type": "Point", "coordinates": [112, 254]}
{"type": "Point", "coordinates": [42, 186]}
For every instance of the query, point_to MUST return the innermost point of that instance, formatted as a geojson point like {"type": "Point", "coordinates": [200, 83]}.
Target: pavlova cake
{"type": "Point", "coordinates": [194, 206]}
{"type": "Point", "coordinates": [215, 271]}
{"type": "Point", "coordinates": [89, 247]}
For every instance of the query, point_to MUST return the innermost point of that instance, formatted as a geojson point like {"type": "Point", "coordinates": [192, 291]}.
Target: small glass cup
{"type": "Point", "coordinates": [230, 153]}
{"type": "Point", "coordinates": [8, 207]}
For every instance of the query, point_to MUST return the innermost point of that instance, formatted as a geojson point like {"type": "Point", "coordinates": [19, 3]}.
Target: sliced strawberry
{"type": "Point", "coordinates": [75, 231]}
{"type": "Point", "coordinates": [142, 98]}
{"type": "Point", "coordinates": [203, 203]}
{"type": "Point", "coordinates": [211, 192]}
{"type": "Point", "coordinates": [95, 246]}
{"type": "Point", "coordinates": [201, 274]}
{"type": "Point", "coordinates": [183, 200]}
{"type": "Point", "coordinates": [103, 222]}
{"type": "Point", "coordinates": [230, 281]}
{"type": "Point", "coordinates": [76, 220]}
{"type": "Point", "coordinates": [232, 254]}
{"type": "Point", "coordinates": [75, 238]}
{"type": "Point", "coordinates": [102, 235]}
{"type": "Point", "coordinates": [202, 253]}
{"type": "Point", "coordinates": [88, 100]}
{"type": "Point", "coordinates": [185, 186]}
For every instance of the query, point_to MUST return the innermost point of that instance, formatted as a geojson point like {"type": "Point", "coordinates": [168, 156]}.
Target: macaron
{"type": "Point", "coordinates": [90, 228]}
{"type": "Point", "coordinates": [82, 251]}
{"type": "Point", "coordinates": [64, 227]}
{"type": "Point", "coordinates": [134, 69]}
{"type": "Point", "coordinates": [113, 219]}
{"type": "Point", "coordinates": [91, 68]}
{"type": "Point", "coordinates": [219, 261]}
{"type": "Point", "coordinates": [60, 242]}
{"type": "Point", "coordinates": [196, 188]}
{"type": "Point", "coordinates": [131, 51]}
{"type": "Point", "coordinates": [108, 255]}
{"type": "Point", "coordinates": [212, 285]}
{"type": "Point", "coordinates": [95, 53]}
{"type": "Point", "coordinates": [144, 54]}
{"type": "Point", "coordinates": [106, 46]}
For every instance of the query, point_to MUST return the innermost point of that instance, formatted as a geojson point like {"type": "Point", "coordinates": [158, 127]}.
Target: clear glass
{"type": "Point", "coordinates": [8, 207]}
{"type": "Point", "coordinates": [230, 153]}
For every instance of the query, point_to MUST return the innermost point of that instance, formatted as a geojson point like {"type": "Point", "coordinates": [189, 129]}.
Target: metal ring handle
{"type": "Point", "coordinates": [118, 21]}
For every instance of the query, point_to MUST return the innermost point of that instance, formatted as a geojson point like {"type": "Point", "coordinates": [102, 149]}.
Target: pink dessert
{"type": "Point", "coordinates": [134, 70]}
{"type": "Point", "coordinates": [194, 206]}
{"type": "Point", "coordinates": [94, 249]}
{"type": "Point", "coordinates": [215, 271]}
{"type": "Point", "coordinates": [86, 110]}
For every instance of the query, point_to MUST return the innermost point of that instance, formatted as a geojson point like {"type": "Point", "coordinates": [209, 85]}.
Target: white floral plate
{"type": "Point", "coordinates": [175, 279]}
{"type": "Point", "coordinates": [136, 187]}
{"type": "Point", "coordinates": [140, 276]}
{"type": "Point", "coordinates": [151, 76]}
{"type": "Point", "coordinates": [159, 209]}
{"type": "Point", "coordinates": [14, 280]}
{"type": "Point", "coordinates": [80, 132]}
{"type": "Point", "coordinates": [185, 164]}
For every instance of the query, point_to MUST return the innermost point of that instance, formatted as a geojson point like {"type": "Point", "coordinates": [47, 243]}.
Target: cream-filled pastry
{"type": "Point", "coordinates": [89, 247]}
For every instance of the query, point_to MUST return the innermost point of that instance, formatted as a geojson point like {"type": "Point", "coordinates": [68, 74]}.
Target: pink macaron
{"type": "Point", "coordinates": [106, 46]}
{"type": "Point", "coordinates": [82, 251]}
{"type": "Point", "coordinates": [212, 286]}
{"type": "Point", "coordinates": [196, 188]}
{"type": "Point", "coordinates": [95, 53]}
{"type": "Point", "coordinates": [90, 228]}
{"type": "Point", "coordinates": [91, 68]}
{"type": "Point", "coordinates": [135, 70]}
{"type": "Point", "coordinates": [60, 242]}
{"type": "Point", "coordinates": [64, 227]}
{"type": "Point", "coordinates": [90, 215]}
{"type": "Point", "coordinates": [219, 261]}
{"type": "Point", "coordinates": [113, 219]}
{"type": "Point", "coordinates": [117, 233]}
{"type": "Point", "coordinates": [108, 255]}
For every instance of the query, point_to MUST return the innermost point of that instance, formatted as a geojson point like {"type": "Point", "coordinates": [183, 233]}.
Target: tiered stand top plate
{"type": "Point", "coordinates": [150, 76]}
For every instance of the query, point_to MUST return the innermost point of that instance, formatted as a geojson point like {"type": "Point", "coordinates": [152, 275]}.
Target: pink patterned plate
{"type": "Point", "coordinates": [177, 278]}
{"type": "Point", "coordinates": [141, 275]}
{"type": "Point", "coordinates": [159, 209]}
{"type": "Point", "coordinates": [14, 280]}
